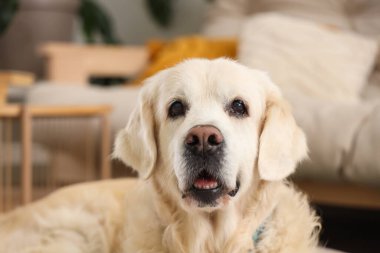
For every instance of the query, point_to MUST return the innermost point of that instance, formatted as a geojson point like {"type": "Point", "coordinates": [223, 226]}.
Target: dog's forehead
{"type": "Point", "coordinates": [216, 78]}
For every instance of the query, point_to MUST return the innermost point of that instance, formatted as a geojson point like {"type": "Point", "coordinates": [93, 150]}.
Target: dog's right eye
{"type": "Point", "coordinates": [176, 109]}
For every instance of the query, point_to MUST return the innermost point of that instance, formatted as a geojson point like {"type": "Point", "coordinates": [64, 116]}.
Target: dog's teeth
{"type": "Point", "coordinates": [206, 186]}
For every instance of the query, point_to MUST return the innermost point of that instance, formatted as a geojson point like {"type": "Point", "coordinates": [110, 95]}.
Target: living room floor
{"type": "Point", "coordinates": [350, 230]}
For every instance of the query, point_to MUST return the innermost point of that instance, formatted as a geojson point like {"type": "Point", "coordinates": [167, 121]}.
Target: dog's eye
{"type": "Point", "coordinates": [176, 109]}
{"type": "Point", "coordinates": [238, 108]}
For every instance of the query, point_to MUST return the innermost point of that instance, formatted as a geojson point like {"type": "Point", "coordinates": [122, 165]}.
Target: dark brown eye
{"type": "Point", "coordinates": [176, 109]}
{"type": "Point", "coordinates": [238, 108]}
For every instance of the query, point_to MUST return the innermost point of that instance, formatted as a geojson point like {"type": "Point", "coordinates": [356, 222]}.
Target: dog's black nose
{"type": "Point", "coordinates": [204, 138]}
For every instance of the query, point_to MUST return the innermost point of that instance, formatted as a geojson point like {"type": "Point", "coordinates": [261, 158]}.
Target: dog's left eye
{"type": "Point", "coordinates": [238, 108]}
{"type": "Point", "coordinates": [176, 109]}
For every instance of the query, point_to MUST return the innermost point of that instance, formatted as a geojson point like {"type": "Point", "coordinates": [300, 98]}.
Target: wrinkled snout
{"type": "Point", "coordinates": [203, 139]}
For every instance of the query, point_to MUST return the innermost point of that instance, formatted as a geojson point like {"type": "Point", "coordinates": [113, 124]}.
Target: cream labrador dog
{"type": "Point", "coordinates": [212, 142]}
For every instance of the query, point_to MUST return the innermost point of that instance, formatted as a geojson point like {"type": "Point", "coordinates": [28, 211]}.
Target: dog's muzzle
{"type": "Point", "coordinates": [204, 157]}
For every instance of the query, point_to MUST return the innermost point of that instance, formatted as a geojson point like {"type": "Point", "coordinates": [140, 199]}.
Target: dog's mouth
{"type": "Point", "coordinates": [206, 181]}
{"type": "Point", "coordinates": [207, 189]}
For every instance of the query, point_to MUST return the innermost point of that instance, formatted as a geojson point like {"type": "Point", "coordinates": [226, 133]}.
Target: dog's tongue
{"type": "Point", "coordinates": [205, 183]}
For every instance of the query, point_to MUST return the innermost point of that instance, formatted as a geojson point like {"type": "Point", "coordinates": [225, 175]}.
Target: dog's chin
{"type": "Point", "coordinates": [209, 193]}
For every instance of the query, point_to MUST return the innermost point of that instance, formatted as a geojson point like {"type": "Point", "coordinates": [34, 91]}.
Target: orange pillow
{"type": "Point", "coordinates": [167, 54]}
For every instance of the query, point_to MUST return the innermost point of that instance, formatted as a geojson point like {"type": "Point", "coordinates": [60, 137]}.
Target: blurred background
{"type": "Point", "coordinates": [70, 71]}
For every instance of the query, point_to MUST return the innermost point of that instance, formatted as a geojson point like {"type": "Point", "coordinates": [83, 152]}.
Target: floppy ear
{"type": "Point", "coordinates": [282, 142]}
{"type": "Point", "coordinates": [135, 145]}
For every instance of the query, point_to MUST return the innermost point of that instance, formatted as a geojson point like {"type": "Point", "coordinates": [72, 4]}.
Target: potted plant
{"type": "Point", "coordinates": [26, 24]}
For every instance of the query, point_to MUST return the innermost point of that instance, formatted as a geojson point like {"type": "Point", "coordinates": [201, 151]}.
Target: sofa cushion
{"type": "Point", "coordinates": [167, 54]}
{"type": "Point", "coordinates": [310, 58]}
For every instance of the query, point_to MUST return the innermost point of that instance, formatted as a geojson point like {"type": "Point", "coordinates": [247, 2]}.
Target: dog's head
{"type": "Point", "coordinates": [205, 126]}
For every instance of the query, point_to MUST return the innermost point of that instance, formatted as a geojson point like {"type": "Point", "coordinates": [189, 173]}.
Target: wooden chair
{"type": "Point", "coordinates": [16, 126]}
{"type": "Point", "coordinates": [15, 78]}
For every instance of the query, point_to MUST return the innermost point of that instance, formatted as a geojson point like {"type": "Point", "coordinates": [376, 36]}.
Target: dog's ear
{"type": "Point", "coordinates": [136, 144]}
{"type": "Point", "coordinates": [282, 143]}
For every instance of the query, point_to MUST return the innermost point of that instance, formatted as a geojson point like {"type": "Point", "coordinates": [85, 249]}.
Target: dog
{"type": "Point", "coordinates": [213, 142]}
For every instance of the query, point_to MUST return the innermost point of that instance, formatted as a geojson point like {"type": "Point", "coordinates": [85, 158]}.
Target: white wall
{"type": "Point", "coordinates": [134, 25]}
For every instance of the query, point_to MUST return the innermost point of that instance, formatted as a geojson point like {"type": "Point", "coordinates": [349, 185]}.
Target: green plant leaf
{"type": "Point", "coordinates": [8, 8]}
{"type": "Point", "coordinates": [161, 11]}
{"type": "Point", "coordinates": [95, 21]}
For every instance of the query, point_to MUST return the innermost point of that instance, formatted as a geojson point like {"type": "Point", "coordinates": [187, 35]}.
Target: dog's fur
{"type": "Point", "coordinates": [156, 213]}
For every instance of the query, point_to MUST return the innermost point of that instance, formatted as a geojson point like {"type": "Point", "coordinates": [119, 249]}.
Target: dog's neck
{"type": "Point", "coordinates": [219, 230]}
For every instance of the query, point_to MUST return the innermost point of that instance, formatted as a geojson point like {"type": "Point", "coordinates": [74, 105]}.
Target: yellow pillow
{"type": "Point", "coordinates": [167, 54]}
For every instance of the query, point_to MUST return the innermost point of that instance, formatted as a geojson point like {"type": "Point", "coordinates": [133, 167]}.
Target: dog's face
{"type": "Point", "coordinates": [209, 116]}
{"type": "Point", "coordinates": [203, 126]}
